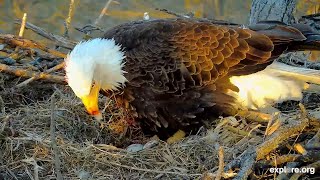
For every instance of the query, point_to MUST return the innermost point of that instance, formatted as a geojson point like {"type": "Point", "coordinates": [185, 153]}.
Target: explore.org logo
{"type": "Point", "coordinates": [305, 170]}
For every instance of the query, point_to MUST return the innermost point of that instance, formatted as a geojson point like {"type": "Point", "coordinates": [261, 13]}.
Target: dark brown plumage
{"type": "Point", "coordinates": [178, 69]}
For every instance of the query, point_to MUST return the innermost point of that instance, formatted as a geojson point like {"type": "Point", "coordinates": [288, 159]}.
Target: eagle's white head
{"type": "Point", "coordinates": [93, 65]}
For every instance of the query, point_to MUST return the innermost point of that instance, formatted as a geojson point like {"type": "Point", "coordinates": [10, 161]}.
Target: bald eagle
{"type": "Point", "coordinates": [172, 72]}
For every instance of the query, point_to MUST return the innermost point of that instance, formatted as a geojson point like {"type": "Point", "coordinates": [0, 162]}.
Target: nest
{"type": "Point", "coordinates": [45, 132]}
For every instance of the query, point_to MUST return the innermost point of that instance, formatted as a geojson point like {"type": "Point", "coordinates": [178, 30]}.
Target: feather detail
{"type": "Point", "coordinates": [298, 73]}
{"type": "Point", "coordinates": [277, 83]}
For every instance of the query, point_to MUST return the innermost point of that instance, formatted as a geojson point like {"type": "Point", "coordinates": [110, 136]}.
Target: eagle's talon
{"type": "Point", "coordinates": [179, 135]}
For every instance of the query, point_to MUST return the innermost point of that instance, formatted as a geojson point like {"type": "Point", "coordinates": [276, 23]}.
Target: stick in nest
{"type": "Point", "coordinates": [110, 163]}
{"type": "Point", "coordinates": [221, 163]}
{"type": "Point", "coordinates": [41, 75]}
{"type": "Point", "coordinates": [103, 12]}
{"type": "Point", "coordinates": [278, 137]}
{"type": "Point", "coordinates": [68, 19]}
{"type": "Point", "coordinates": [23, 25]}
{"type": "Point", "coordinates": [21, 32]}
{"type": "Point", "coordinates": [28, 74]}
{"type": "Point", "coordinates": [57, 162]}
{"type": "Point", "coordinates": [172, 13]}
{"type": "Point", "coordinates": [18, 41]}
{"type": "Point", "coordinates": [25, 43]}
{"type": "Point", "coordinates": [61, 65]}
{"type": "Point", "coordinates": [245, 162]}
{"type": "Point", "coordinates": [58, 40]}
{"type": "Point", "coordinates": [311, 15]}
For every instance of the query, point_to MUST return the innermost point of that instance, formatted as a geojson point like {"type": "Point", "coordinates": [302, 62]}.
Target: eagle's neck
{"type": "Point", "coordinates": [97, 61]}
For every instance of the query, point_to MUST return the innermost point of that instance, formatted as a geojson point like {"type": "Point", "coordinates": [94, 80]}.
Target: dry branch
{"type": "Point", "coordinates": [23, 25]}
{"type": "Point", "coordinates": [246, 165]}
{"type": "Point", "coordinates": [29, 74]}
{"type": "Point", "coordinates": [148, 170]}
{"type": "Point", "coordinates": [221, 163]}
{"type": "Point", "coordinates": [68, 19]}
{"type": "Point", "coordinates": [103, 12]}
{"type": "Point", "coordinates": [238, 131]}
{"type": "Point", "coordinates": [55, 68]}
{"type": "Point", "coordinates": [57, 162]}
{"type": "Point", "coordinates": [311, 15]}
{"type": "Point", "coordinates": [255, 116]}
{"type": "Point", "coordinates": [26, 43]}
{"type": "Point", "coordinates": [284, 159]}
{"type": "Point", "coordinates": [171, 13]}
{"type": "Point", "coordinates": [278, 137]}
{"type": "Point", "coordinates": [58, 40]}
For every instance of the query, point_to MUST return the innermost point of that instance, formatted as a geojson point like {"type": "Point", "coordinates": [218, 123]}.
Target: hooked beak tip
{"type": "Point", "coordinates": [98, 116]}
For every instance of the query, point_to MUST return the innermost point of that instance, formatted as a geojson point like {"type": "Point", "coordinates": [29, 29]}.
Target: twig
{"type": "Point", "coordinates": [10, 39]}
{"type": "Point", "coordinates": [284, 159]}
{"type": "Point", "coordinates": [209, 176]}
{"type": "Point", "coordinates": [238, 131]}
{"type": "Point", "coordinates": [304, 112]}
{"type": "Point", "coordinates": [23, 25]}
{"type": "Point", "coordinates": [254, 116]}
{"type": "Point", "coordinates": [25, 43]}
{"type": "Point", "coordinates": [11, 173]}
{"type": "Point", "coordinates": [55, 68]}
{"type": "Point", "coordinates": [57, 162]}
{"type": "Point", "coordinates": [103, 12]}
{"type": "Point", "coordinates": [314, 142]}
{"type": "Point", "coordinates": [221, 163]}
{"type": "Point", "coordinates": [22, 28]}
{"type": "Point", "coordinates": [27, 74]}
{"type": "Point", "coordinates": [87, 29]}
{"type": "Point", "coordinates": [254, 128]}
{"type": "Point", "coordinates": [45, 55]}
{"type": "Point", "coordinates": [278, 137]}
{"type": "Point", "coordinates": [106, 152]}
{"type": "Point", "coordinates": [36, 171]}
{"type": "Point", "coordinates": [311, 156]}
{"type": "Point", "coordinates": [171, 13]}
{"type": "Point", "coordinates": [58, 40]}
{"type": "Point", "coordinates": [246, 165]}
{"type": "Point", "coordinates": [36, 167]}
{"type": "Point", "coordinates": [109, 163]}
{"type": "Point", "coordinates": [29, 173]}
{"type": "Point", "coordinates": [311, 15]}
{"type": "Point", "coordinates": [24, 83]}
{"type": "Point", "coordinates": [68, 19]}
{"type": "Point", "coordinates": [273, 125]}
{"type": "Point", "coordinates": [300, 149]}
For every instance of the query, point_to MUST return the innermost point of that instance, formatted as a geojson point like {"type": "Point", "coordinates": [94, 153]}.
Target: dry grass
{"type": "Point", "coordinates": [82, 145]}
{"type": "Point", "coordinates": [86, 149]}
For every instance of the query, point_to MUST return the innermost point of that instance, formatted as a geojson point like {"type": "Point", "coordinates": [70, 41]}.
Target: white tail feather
{"type": "Point", "coordinates": [298, 73]}
{"type": "Point", "coordinates": [312, 88]}
{"type": "Point", "coordinates": [277, 83]}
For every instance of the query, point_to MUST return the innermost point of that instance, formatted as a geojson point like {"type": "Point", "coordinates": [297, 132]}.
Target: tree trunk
{"type": "Point", "coordinates": [278, 10]}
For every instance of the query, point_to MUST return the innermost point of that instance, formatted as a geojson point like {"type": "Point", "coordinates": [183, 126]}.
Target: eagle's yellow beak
{"type": "Point", "coordinates": [91, 102]}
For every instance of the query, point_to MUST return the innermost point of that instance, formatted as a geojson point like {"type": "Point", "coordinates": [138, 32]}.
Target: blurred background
{"type": "Point", "coordinates": [51, 14]}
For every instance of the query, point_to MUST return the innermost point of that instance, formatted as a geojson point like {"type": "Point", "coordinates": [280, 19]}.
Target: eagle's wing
{"type": "Point", "coordinates": [201, 51]}
{"type": "Point", "coordinates": [173, 57]}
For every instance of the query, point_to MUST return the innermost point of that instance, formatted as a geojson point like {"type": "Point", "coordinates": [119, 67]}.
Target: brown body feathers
{"type": "Point", "coordinates": [178, 69]}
